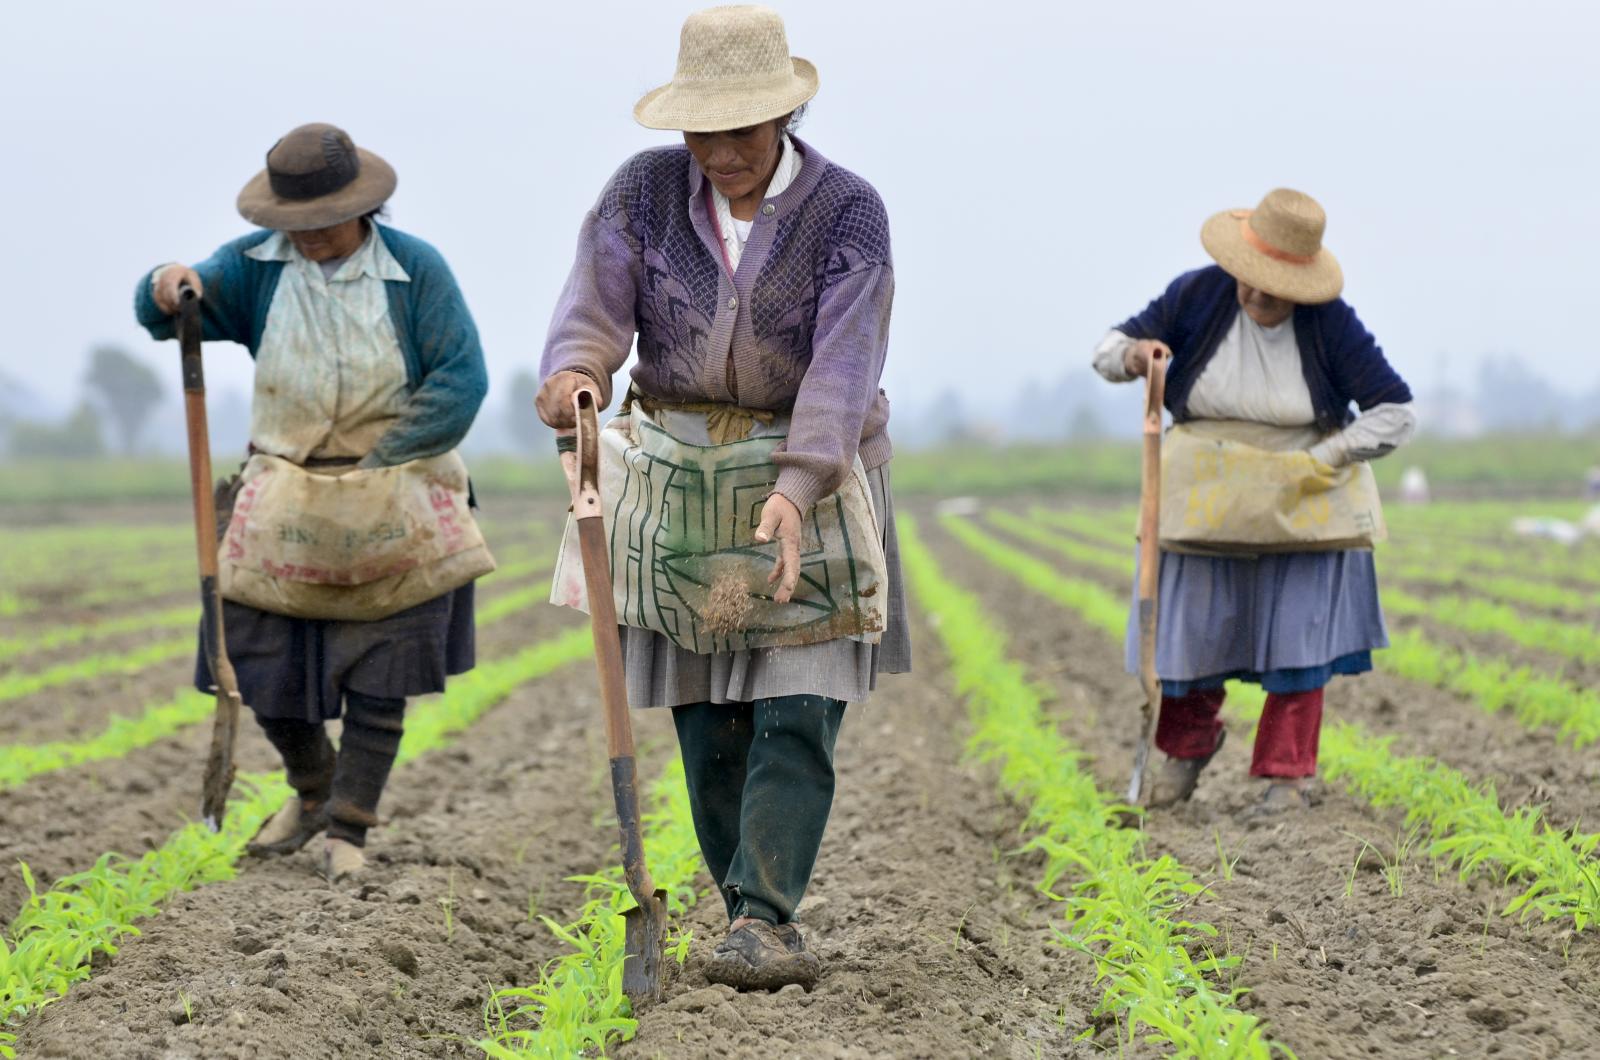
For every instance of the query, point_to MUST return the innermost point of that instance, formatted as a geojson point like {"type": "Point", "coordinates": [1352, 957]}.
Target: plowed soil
{"type": "Point", "coordinates": [934, 942]}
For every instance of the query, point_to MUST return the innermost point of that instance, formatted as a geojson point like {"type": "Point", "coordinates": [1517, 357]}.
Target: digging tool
{"type": "Point", "coordinates": [645, 926]}
{"type": "Point", "coordinates": [1149, 567]}
{"type": "Point", "coordinates": [225, 729]}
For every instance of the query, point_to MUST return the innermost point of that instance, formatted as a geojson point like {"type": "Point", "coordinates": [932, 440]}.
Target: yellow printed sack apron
{"type": "Point", "coordinates": [1230, 487]}
{"type": "Point", "coordinates": [358, 545]}
{"type": "Point", "coordinates": [681, 515]}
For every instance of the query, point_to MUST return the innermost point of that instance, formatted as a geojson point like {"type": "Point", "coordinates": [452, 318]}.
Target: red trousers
{"type": "Point", "coordinates": [1286, 738]}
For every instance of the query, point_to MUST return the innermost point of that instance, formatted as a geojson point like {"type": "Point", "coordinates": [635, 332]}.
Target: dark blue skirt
{"type": "Point", "coordinates": [1287, 622]}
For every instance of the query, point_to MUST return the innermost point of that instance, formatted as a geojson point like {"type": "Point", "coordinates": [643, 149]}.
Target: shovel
{"type": "Point", "coordinates": [645, 925]}
{"type": "Point", "coordinates": [1149, 567]}
{"type": "Point", "coordinates": [225, 729]}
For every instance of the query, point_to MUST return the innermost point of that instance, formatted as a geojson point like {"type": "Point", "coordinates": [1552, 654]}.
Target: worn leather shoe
{"type": "Point", "coordinates": [341, 860]}
{"type": "Point", "coordinates": [1178, 777]}
{"type": "Point", "coordinates": [291, 828]}
{"type": "Point", "coordinates": [763, 956]}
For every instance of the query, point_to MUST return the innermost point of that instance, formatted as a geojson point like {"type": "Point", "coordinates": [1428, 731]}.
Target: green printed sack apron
{"type": "Point", "coordinates": [1231, 487]}
{"type": "Point", "coordinates": [356, 544]}
{"type": "Point", "coordinates": [681, 515]}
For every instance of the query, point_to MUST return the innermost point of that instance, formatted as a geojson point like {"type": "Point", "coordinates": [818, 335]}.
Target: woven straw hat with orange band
{"type": "Point", "coordinates": [1277, 248]}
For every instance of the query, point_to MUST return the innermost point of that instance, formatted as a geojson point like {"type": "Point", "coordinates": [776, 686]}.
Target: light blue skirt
{"type": "Point", "coordinates": [1287, 622]}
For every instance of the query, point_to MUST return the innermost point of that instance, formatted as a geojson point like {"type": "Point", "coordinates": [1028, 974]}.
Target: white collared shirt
{"type": "Point", "coordinates": [330, 376]}
{"type": "Point", "coordinates": [736, 233]}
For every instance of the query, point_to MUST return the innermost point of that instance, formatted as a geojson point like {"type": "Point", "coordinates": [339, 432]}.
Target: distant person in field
{"type": "Point", "coordinates": [367, 364]}
{"type": "Point", "coordinates": [757, 277]}
{"type": "Point", "coordinates": [1265, 351]}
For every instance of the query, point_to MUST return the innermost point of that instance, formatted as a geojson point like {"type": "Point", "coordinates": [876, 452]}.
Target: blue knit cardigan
{"type": "Point", "coordinates": [444, 360]}
{"type": "Point", "coordinates": [1341, 361]}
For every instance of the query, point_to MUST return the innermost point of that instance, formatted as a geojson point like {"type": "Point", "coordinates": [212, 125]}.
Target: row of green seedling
{"type": "Point", "coordinates": [1553, 867]}
{"type": "Point", "coordinates": [1492, 683]}
{"type": "Point", "coordinates": [124, 735]}
{"type": "Point", "coordinates": [1161, 981]}
{"type": "Point", "coordinates": [131, 661]}
{"type": "Point", "coordinates": [577, 1007]}
{"type": "Point", "coordinates": [1470, 614]}
{"type": "Point", "coordinates": [49, 945]}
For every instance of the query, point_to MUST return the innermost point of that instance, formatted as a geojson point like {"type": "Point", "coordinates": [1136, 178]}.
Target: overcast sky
{"type": "Point", "coordinates": [1046, 166]}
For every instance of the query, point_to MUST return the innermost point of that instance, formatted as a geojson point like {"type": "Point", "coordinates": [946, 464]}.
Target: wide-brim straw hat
{"type": "Point", "coordinates": [1277, 247]}
{"type": "Point", "coordinates": [316, 177]}
{"type": "Point", "coordinates": [734, 70]}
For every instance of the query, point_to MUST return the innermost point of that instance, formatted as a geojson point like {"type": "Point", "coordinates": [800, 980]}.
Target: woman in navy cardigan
{"type": "Point", "coordinates": [1262, 337]}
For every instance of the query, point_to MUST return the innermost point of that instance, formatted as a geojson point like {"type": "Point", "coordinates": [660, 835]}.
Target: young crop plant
{"type": "Point", "coordinates": [60, 636]}
{"type": "Point", "coordinates": [1545, 596]}
{"type": "Point", "coordinates": [578, 1004]}
{"type": "Point", "coordinates": [48, 946]}
{"type": "Point", "coordinates": [1474, 615]}
{"type": "Point", "coordinates": [21, 762]}
{"type": "Point", "coordinates": [1466, 827]}
{"type": "Point", "coordinates": [15, 686]}
{"type": "Point", "coordinates": [1100, 557]}
{"type": "Point", "coordinates": [1537, 701]}
{"type": "Point", "coordinates": [1121, 907]}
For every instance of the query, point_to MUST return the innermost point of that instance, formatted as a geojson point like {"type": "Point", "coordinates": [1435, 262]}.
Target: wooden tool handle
{"type": "Point", "coordinates": [580, 455]}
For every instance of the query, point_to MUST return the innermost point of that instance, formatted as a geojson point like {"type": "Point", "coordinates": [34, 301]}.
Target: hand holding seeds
{"type": "Point", "coordinates": [780, 517]}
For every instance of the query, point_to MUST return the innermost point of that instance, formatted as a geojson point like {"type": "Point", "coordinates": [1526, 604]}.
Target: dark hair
{"type": "Point", "coordinates": [379, 214]}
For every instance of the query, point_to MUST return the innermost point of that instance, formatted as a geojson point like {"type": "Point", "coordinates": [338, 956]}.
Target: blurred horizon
{"type": "Point", "coordinates": [1046, 171]}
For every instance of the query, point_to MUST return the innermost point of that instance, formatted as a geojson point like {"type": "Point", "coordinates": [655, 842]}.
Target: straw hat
{"type": "Point", "coordinates": [316, 177]}
{"type": "Point", "coordinates": [734, 70]}
{"type": "Point", "coordinates": [1277, 247]}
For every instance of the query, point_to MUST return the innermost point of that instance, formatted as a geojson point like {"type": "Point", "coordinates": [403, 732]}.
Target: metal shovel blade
{"type": "Point", "coordinates": [645, 931]}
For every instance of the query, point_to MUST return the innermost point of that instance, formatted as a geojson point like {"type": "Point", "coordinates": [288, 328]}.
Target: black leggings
{"type": "Point", "coordinates": [351, 781]}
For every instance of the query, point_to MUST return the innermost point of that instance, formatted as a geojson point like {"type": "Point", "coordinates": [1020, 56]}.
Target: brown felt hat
{"type": "Point", "coordinates": [734, 70]}
{"type": "Point", "coordinates": [316, 177]}
{"type": "Point", "coordinates": [1277, 247]}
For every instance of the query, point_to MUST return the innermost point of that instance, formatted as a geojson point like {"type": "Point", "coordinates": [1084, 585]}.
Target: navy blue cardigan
{"type": "Point", "coordinates": [444, 360]}
{"type": "Point", "coordinates": [1340, 360]}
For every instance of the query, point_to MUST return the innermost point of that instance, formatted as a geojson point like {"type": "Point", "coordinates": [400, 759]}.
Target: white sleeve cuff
{"type": "Point", "coordinates": [1110, 357]}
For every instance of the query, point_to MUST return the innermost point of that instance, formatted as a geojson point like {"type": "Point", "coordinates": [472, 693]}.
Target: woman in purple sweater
{"type": "Point", "coordinates": [756, 276]}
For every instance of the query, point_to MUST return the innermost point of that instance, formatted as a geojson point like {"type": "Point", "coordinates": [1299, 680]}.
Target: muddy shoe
{"type": "Point", "coordinates": [342, 860]}
{"type": "Point", "coordinates": [761, 956]}
{"type": "Point", "coordinates": [1179, 777]}
{"type": "Point", "coordinates": [1280, 797]}
{"type": "Point", "coordinates": [291, 828]}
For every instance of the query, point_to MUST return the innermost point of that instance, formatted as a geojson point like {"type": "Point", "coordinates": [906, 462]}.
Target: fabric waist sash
{"type": "Point", "coordinates": [1232, 487]}
{"type": "Point", "coordinates": [683, 488]}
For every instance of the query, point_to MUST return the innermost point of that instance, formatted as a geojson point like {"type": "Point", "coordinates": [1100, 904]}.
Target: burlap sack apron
{"type": "Point", "coordinates": [352, 545]}
{"type": "Point", "coordinates": [684, 488]}
{"type": "Point", "coordinates": [1231, 487]}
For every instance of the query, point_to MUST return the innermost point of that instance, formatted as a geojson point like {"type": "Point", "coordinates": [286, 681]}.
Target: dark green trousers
{"type": "Point", "coordinates": [760, 788]}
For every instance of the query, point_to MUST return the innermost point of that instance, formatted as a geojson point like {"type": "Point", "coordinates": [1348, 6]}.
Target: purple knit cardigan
{"type": "Point", "coordinates": [801, 326]}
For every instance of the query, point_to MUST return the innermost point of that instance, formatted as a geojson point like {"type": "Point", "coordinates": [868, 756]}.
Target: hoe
{"type": "Point", "coordinates": [1149, 568]}
{"type": "Point", "coordinates": [645, 925]}
{"type": "Point", "coordinates": [224, 733]}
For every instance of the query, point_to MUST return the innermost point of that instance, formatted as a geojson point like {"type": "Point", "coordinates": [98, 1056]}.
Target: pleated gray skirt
{"type": "Point", "coordinates": [661, 674]}
{"type": "Point", "coordinates": [1287, 622]}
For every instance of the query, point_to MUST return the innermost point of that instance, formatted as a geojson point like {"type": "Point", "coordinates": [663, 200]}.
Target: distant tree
{"type": "Point", "coordinates": [1086, 424]}
{"type": "Point", "coordinates": [77, 437]}
{"type": "Point", "coordinates": [125, 388]}
{"type": "Point", "coordinates": [527, 430]}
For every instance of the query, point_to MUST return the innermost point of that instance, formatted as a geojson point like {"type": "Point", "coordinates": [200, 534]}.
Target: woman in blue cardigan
{"type": "Point", "coordinates": [366, 357]}
{"type": "Point", "coordinates": [1263, 339]}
